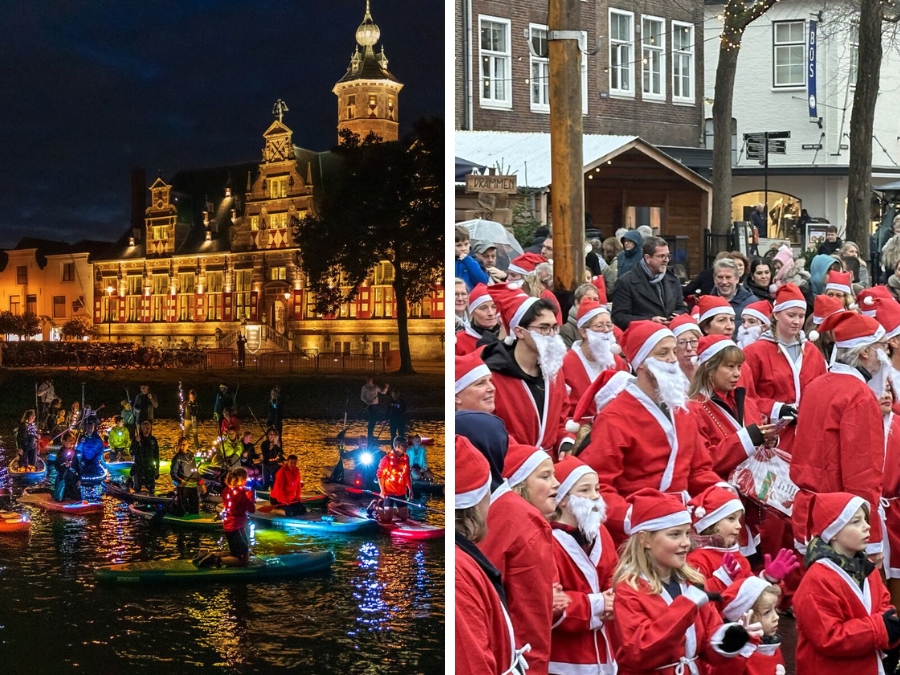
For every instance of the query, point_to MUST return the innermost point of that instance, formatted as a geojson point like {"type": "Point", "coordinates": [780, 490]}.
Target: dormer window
{"type": "Point", "coordinates": [158, 232]}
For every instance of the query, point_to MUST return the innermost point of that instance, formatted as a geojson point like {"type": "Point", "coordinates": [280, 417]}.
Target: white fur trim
{"type": "Point", "coordinates": [894, 332]}
{"type": "Point", "coordinates": [846, 514]}
{"type": "Point", "coordinates": [838, 287]}
{"type": "Point", "coordinates": [573, 427]}
{"type": "Point", "coordinates": [789, 304]}
{"type": "Point", "coordinates": [746, 597]}
{"type": "Point", "coordinates": [861, 341]}
{"type": "Point", "coordinates": [678, 330]}
{"type": "Point", "coordinates": [479, 301]}
{"type": "Point", "coordinates": [714, 349]}
{"type": "Point", "coordinates": [570, 481]}
{"type": "Point", "coordinates": [657, 524]}
{"type": "Point", "coordinates": [869, 300]}
{"type": "Point", "coordinates": [648, 346]}
{"type": "Point", "coordinates": [590, 315]}
{"type": "Point", "coordinates": [615, 348]}
{"type": "Point", "coordinates": [465, 500]}
{"type": "Point", "coordinates": [470, 377]}
{"type": "Point", "coordinates": [706, 519]}
{"type": "Point", "coordinates": [528, 466]}
{"type": "Point", "coordinates": [598, 606]}
{"type": "Point", "coordinates": [695, 595]}
{"type": "Point", "coordinates": [715, 311]}
{"type": "Point", "coordinates": [813, 334]}
{"type": "Point", "coordinates": [509, 339]}
{"type": "Point", "coordinates": [611, 389]}
{"type": "Point", "coordinates": [520, 312]}
{"type": "Point", "coordinates": [757, 314]}
{"type": "Point", "coordinates": [518, 270]}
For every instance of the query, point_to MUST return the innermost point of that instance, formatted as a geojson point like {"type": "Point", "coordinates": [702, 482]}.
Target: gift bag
{"type": "Point", "coordinates": [765, 478]}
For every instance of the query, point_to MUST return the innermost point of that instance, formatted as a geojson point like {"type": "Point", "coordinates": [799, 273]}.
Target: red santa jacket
{"type": "Point", "coordinates": [579, 373]}
{"type": "Point", "coordinates": [288, 487]}
{"type": "Point", "coordinates": [774, 379]}
{"type": "Point", "coordinates": [655, 634]}
{"type": "Point", "coordinates": [520, 546]}
{"type": "Point", "coordinates": [766, 660]}
{"type": "Point", "coordinates": [467, 340]}
{"type": "Point", "coordinates": [484, 640]}
{"type": "Point", "coordinates": [839, 624]}
{"type": "Point", "coordinates": [839, 446]}
{"type": "Point", "coordinates": [634, 445]}
{"type": "Point", "coordinates": [708, 560]}
{"type": "Point", "coordinates": [394, 474]}
{"type": "Point", "coordinates": [727, 440]}
{"type": "Point", "coordinates": [890, 497]}
{"type": "Point", "coordinates": [580, 640]}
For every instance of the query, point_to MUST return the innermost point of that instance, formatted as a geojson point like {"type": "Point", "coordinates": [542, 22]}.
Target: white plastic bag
{"type": "Point", "coordinates": [766, 478]}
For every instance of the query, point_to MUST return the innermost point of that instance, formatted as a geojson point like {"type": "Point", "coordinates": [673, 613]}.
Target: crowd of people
{"type": "Point", "coordinates": [650, 483]}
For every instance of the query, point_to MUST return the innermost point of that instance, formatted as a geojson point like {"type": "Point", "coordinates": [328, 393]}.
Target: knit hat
{"type": "Point", "coordinates": [824, 306]}
{"type": "Point", "coordinates": [588, 309]}
{"type": "Point", "coordinates": [713, 305]}
{"type": "Point", "coordinates": [473, 474]}
{"type": "Point", "coordinates": [839, 281]}
{"type": "Point", "coordinates": [651, 511]}
{"type": "Point", "coordinates": [740, 596]}
{"type": "Point", "coordinates": [605, 387]}
{"type": "Point", "coordinates": [640, 339]}
{"type": "Point", "coordinates": [525, 263]}
{"type": "Point", "coordinates": [785, 256]}
{"type": "Point", "coordinates": [866, 299]}
{"type": "Point", "coordinates": [512, 304]}
{"type": "Point", "coordinates": [853, 330]}
{"type": "Point", "coordinates": [787, 297]}
{"type": "Point", "coordinates": [829, 512]}
{"type": "Point", "coordinates": [761, 309]}
{"type": "Point", "coordinates": [521, 461]}
{"type": "Point", "coordinates": [887, 313]}
{"type": "Point", "coordinates": [568, 472]}
{"type": "Point", "coordinates": [469, 368]}
{"type": "Point", "coordinates": [712, 505]}
{"type": "Point", "coordinates": [478, 296]}
{"type": "Point", "coordinates": [682, 324]}
{"type": "Point", "coordinates": [709, 346]}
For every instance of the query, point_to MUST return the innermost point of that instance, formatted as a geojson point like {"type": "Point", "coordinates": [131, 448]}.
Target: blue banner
{"type": "Point", "coordinates": [811, 71]}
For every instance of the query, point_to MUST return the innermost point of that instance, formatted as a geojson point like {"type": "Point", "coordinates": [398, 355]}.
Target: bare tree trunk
{"type": "Point", "coordinates": [406, 367]}
{"type": "Point", "coordinates": [862, 121]}
{"type": "Point", "coordinates": [722, 113]}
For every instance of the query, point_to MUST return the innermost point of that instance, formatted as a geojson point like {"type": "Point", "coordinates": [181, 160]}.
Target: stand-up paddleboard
{"type": "Point", "coordinates": [95, 479]}
{"type": "Point", "coordinates": [119, 491]}
{"type": "Point", "coordinates": [260, 568]}
{"type": "Point", "coordinates": [45, 501]}
{"type": "Point", "coordinates": [314, 523]}
{"type": "Point", "coordinates": [117, 467]}
{"type": "Point", "coordinates": [311, 501]}
{"type": "Point", "coordinates": [408, 529]}
{"type": "Point", "coordinates": [204, 521]}
{"type": "Point", "coordinates": [12, 522]}
{"type": "Point", "coordinates": [18, 473]}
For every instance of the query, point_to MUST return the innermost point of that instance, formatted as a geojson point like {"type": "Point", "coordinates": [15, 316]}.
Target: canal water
{"type": "Point", "coordinates": [379, 610]}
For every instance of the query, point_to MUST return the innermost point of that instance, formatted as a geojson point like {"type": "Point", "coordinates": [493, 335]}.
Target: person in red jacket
{"type": "Point", "coordinates": [237, 502]}
{"type": "Point", "coordinates": [395, 482]}
{"type": "Point", "coordinates": [484, 322]}
{"type": "Point", "coordinates": [760, 598]}
{"type": "Point", "coordinates": [288, 489]}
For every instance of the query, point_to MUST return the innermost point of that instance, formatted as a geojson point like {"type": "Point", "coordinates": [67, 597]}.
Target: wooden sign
{"type": "Point", "coordinates": [501, 185]}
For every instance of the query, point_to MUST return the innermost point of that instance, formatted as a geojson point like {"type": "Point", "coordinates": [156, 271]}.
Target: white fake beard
{"type": "Point", "coordinates": [516, 284]}
{"type": "Point", "coordinates": [589, 513]}
{"type": "Point", "coordinates": [551, 352]}
{"type": "Point", "coordinates": [600, 348]}
{"type": "Point", "coordinates": [749, 335]}
{"type": "Point", "coordinates": [671, 383]}
{"type": "Point", "coordinates": [879, 380]}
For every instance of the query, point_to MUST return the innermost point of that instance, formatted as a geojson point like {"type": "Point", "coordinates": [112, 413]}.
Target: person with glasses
{"type": "Point", "coordinates": [526, 370]}
{"type": "Point", "coordinates": [687, 337]}
{"type": "Point", "coordinates": [650, 291]}
{"type": "Point", "coordinates": [460, 303]}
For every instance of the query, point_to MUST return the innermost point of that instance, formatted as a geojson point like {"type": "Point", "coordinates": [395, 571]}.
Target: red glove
{"type": "Point", "coordinates": [731, 565]}
{"type": "Point", "coordinates": [784, 563]}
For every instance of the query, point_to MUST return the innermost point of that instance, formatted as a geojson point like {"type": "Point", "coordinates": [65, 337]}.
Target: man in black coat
{"type": "Point", "coordinates": [649, 291]}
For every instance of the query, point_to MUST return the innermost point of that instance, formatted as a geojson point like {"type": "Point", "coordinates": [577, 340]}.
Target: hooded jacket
{"type": "Point", "coordinates": [489, 436]}
{"type": "Point", "coordinates": [628, 259]}
{"type": "Point", "coordinates": [817, 271]}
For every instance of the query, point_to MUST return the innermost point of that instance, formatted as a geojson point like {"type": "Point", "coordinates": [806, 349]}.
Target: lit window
{"type": "Point", "coordinates": [351, 107]}
{"type": "Point", "coordinates": [495, 62]}
{"type": "Point", "coordinates": [277, 273]}
{"type": "Point", "coordinates": [160, 284]}
{"type": "Point", "coordinates": [186, 282]}
{"type": "Point", "coordinates": [682, 62]}
{"type": "Point", "coordinates": [278, 187]}
{"type": "Point", "coordinates": [789, 54]}
{"type": "Point", "coordinates": [254, 223]}
{"type": "Point", "coordinates": [135, 283]}
{"type": "Point", "coordinates": [214, 282]}
{"type": "Point", "coordinates": [621, 52]}
{"type": "Point", "coordinates": [653, 57]}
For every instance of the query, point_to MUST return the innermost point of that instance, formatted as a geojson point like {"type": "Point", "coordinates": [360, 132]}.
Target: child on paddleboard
{"type": "Point", "coordinates": [237, 502]}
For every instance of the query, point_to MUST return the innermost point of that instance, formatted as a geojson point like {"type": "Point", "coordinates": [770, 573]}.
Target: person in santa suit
{"type": "Point", "coordinates": [754, 320]}
{"type": "Point", "coordinates": [664, 622]}
{"type": "Point", "coordinates": [887, 313]}
{"type": "Point", "coordinates": [687, 335]}
{"type": "Point", "coordinates": [823, 307]}
{"type": "Point", "coordinates": [585, 560]}
{"type": "Point", "coordinates": [838, 285]}
{"type": "Point", "coordinates": [840, 445]}
{"type": "Point", "coordinates": [716, 316]}
{"type": "Point", "coordinates": [890, 494]}
{"type": "Point", "coordinates": [601, 392]}
{"type": "Point", "coordinates": [526, 369]}
{"type": "Point", "coordinates": [520, 546]}
{"type": "Point", "coordinates": [843, 611]}
{"type": "Point", "coordinates": [529, 272]}
{"type": "Point", "coordinates": [474, 388]}
{"type": "Point", "coordinates": [782, 363]}
{"type": "Point", "coordinates": [485, 639]}
{"type": "Point", "coordinates": [866, 299]}
{"type": "Point", "coordinates": [595, 352]}
{"type": "Point", "coordinates": [760, 598]}
{"type": "Point", "coordinates": [484, 322]}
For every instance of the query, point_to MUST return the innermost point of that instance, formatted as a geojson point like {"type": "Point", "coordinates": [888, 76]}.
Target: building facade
{"type": "Point", "coordinates": [771, 93]}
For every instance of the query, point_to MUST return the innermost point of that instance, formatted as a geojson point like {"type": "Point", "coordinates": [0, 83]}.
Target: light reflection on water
{"type": "Point", "coordinates": [379, 610]}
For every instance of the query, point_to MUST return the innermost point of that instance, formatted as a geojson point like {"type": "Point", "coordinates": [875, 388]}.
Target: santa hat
{"type": "Point", "coordinates": [852, 330]}
{"type": "Point", "coordinates": [469, 368]}
{"type": "Point", "coordinates": [600, 284]}
{"type": "Point", "coordinates": [473, 474]}
{"type": "Point", "coordinates": [525, 263]}
{"type": "Point", "coordinates": [712, 505]}
{"type": "Point", "coordinates": [829, 512]}
{"type": "Point", "coordinates": [588, 309]}
{"type": "Point", "coordinates": [710, 345]}
{"type": "Point", "coordinates": [640, 339]}
{"type": "Point", "coordinates": [761, 309]}
{"type": "Point", "coordinates": [568, 472]}
{"type": "Point", "coordinates": [512, 304]}
{"type": "Point", "coordinates": [824, 306]}
{"type": "Point", "coordinates": [605, 387]}
{"type": "Point", "coordinates": [866, 299]}
{"type": "Point", "coordinates": [839, 281]}
{"type": "Point", "coordinates": [887, 313]}
{"type": "Point", "coordinates": [713, 305]}
{"type": "Point", "coordinates": [740, 596]}
{"type": "Point", "coordinates": [651, 511]}
{"type": "Point", "coordinates": [695, 313]}
{"type": "Point", "coordinates": [683, 323]}
{"type": "Point", "coordinates": [521, 461]}
{"type": "Point", "coordinates": [478, 296]}
{"type": "Point", "coordinates": [788, 297]}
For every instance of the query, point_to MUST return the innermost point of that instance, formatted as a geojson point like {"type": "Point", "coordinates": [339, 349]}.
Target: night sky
{"type": "Point", "coordinates": [93, 88]}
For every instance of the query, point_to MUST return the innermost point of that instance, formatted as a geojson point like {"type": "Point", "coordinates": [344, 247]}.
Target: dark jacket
{"type": "Point", "coordinates": [629, 259]}
{"type": "Point", "coordinates": [758, 220]}
{"type": "Point", "coordinates": [760, 292]}
{"type": "Point", "coordinates": [146, 456]}
{"type": "Point", "coordinates": [184, 472]}
{"type": "Point", "coordinates": [830, 247]}
{"type": "Point", "coordinates": [741, 298]}
{"type": "Point", "coordinates": [702, 284]}
{"type": "Point", "coordinates": [636, 299]}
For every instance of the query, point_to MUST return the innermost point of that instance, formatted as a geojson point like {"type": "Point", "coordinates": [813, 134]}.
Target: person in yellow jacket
{"type": "Point", "coordinates": [119, 441]}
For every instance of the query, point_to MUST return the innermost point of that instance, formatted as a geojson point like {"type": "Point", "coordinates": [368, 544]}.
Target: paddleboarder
{"type": "Point", "coordinates": [418, 461]}
{"type": "Point", "coordinates": [237, 502]}
{"type": "Point", "coordinates": [190, 412]}
{"type": "Point", "coordinates": [90, 449]}
{"type": "Point", "coordinates": [272, 457]}
{"type": "Point", "coordinates": [68, 480]}
{"type": "Point", "coordinates": [119, 441]}
{"type": "Point", "coordinates": [145, 451]}
{"type": "Point", "coordinates": [394, 480]}
{"type": "Point", "coordinates": [26, 438]}
{"type": "Point", "coordinates": [287, 492]}
{"type": "Point", "coordinates": [186, 477]}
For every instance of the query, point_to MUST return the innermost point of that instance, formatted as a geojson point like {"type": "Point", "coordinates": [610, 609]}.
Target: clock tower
{"type": "Point", "coordinates": [368, 92]}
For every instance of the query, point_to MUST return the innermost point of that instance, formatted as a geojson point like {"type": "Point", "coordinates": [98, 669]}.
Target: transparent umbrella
{"type": "Point", "coordinates": [494, 232]}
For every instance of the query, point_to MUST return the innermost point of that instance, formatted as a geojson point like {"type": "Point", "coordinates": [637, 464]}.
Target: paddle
{"type": "Point", "coordinates": [396, 499]}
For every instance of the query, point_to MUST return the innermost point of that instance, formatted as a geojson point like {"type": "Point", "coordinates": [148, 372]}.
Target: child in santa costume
{"type": "Point", "coordinates": [664, 623]}
{"type": "Point", "coordinates": [844, 615]}
{"type": "Point", "coordinates": [646, 437]}
{"type": "Point", "coordinates": [526, 367]}
{"type": "Point", "coordinates": [717, 514]}
{"type": "Point", "coordinates": [716, 316]}
{"type": "Point", "coordinates": [485, 639]}
{"type": "Point", "coordinates": [760, 598]}
{"type": "Point", "coordinates": [520, 546]}
{"type": "Point", "coordinates": [585, 560]}
{"type": "Point", "coordinates": [484, 322]}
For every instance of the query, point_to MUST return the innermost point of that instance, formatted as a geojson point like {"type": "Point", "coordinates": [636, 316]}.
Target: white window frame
{"type": "Point", "coordinates": [776, 46]}
{"type": "Point", "coordinates": [690, 55]}
{"type": "Point", "coordinates": [660, 51]}
{"type": "Point", "coordinates": [503, 58]}
{"type": "Point", "coordinates": [629, 61]}
{"type": "Point", "coordinates": [544, 65]}
{"type": "Point", "coordinates": [853, 48]}
{"type": "Point", "coordinates": [584, 79]}
{"type": "Point", "coordinates": [539, 108]}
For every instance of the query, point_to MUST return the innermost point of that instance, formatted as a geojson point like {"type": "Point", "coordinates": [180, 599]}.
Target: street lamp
{"type": "Point", "coordinates": [109, 290]}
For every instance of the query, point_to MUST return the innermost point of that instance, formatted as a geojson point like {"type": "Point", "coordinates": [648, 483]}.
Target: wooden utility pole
{"type": "Point", "coordinates": [566, 147]}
